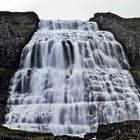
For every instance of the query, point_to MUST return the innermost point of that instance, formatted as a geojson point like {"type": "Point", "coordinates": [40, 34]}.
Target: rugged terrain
{"type": "Point", "coordinates": [16, 30]}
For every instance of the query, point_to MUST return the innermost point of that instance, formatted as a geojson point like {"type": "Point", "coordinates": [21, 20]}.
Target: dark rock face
{"type": "Point", "coordinates": [119, 131]}
{"type": "Point", "coordinates": [16, 30]}
{"type": "Point", "coordinates": [127, 32]}
{"type": "Point", "coordinates": [5, 76]}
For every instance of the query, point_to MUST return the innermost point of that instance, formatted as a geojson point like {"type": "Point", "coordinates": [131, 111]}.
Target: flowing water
{"type": "Point", "coordinates": [72, 78]}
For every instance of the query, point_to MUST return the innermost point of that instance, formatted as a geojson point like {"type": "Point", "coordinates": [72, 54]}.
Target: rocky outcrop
{"type": "Point", "coordinates": [7, 134]}
{"type": "Point", "coordinates": [16, 29]}
{"type": "Point", "coordinates": [119, 131]}
{"type": "Point", "coordinates": [127, 32]}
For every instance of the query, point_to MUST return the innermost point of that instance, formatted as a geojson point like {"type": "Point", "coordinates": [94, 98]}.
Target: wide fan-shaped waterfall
{"type": "Point", "coordinates": [72, 78]}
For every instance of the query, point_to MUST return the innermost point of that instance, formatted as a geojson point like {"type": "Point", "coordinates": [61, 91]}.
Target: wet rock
{"type": "Point", "coordinates": [8, 134]}
{"type": "Point", "coordinates": [126, 130]}
{"type": "Point", "coordinates": [89, 136]}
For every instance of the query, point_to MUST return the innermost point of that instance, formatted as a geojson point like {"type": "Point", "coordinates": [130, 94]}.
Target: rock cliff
{"type": "Point", "coordinates": [127, 32]}
{"type": "Point", "coordinates": [16, 29]}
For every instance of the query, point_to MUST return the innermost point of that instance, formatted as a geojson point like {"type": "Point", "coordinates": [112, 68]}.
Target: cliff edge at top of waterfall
{"type": "Point", "coordinates": [16, 29]}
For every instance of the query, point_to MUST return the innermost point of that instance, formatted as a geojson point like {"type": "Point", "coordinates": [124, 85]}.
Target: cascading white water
{"type": "Point", "coordinates": [71, 79]}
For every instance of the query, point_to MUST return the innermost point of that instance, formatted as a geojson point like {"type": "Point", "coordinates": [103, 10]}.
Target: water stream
{"type": "Point", "coordinates": [72, 77]}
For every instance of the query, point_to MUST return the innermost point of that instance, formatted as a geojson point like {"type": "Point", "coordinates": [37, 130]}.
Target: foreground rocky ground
{"type": "Point", "coordinates": [7, 134]}
{"type": "Point", "coordinates": [128, 130]}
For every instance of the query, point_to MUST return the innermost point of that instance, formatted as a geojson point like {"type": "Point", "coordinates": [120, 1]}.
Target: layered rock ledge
{"type": "Point", "coordinates": [127, 32]}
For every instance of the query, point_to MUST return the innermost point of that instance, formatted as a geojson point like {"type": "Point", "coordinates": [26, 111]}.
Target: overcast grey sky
{"type": "Point", "coordinates": [73, 9]}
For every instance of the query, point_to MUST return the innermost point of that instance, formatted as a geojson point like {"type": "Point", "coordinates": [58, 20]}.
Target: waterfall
{"type": "Point", "coordinates": [72, 78]}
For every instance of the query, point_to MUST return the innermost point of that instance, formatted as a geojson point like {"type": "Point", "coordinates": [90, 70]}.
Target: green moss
{"type": "Point", "coordinates": [12, 134]}
{"type": "Point", "coordinates": [22, 134]}
{"type": "Point", "coordinates": [135, 71]}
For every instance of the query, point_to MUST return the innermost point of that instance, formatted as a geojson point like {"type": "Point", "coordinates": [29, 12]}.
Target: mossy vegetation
{"type": "Point", "coordinates": [135, 71]}
{"type": "Point", "coordinates": [127, 130]}
{"type": "Point", "coordinates": [9, 134]}
{"type": "Point", "coordinates": [12, 134]}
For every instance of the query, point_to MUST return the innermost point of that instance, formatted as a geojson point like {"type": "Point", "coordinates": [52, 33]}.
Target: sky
{"type": "Point", "coordinates": [73, 9]}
